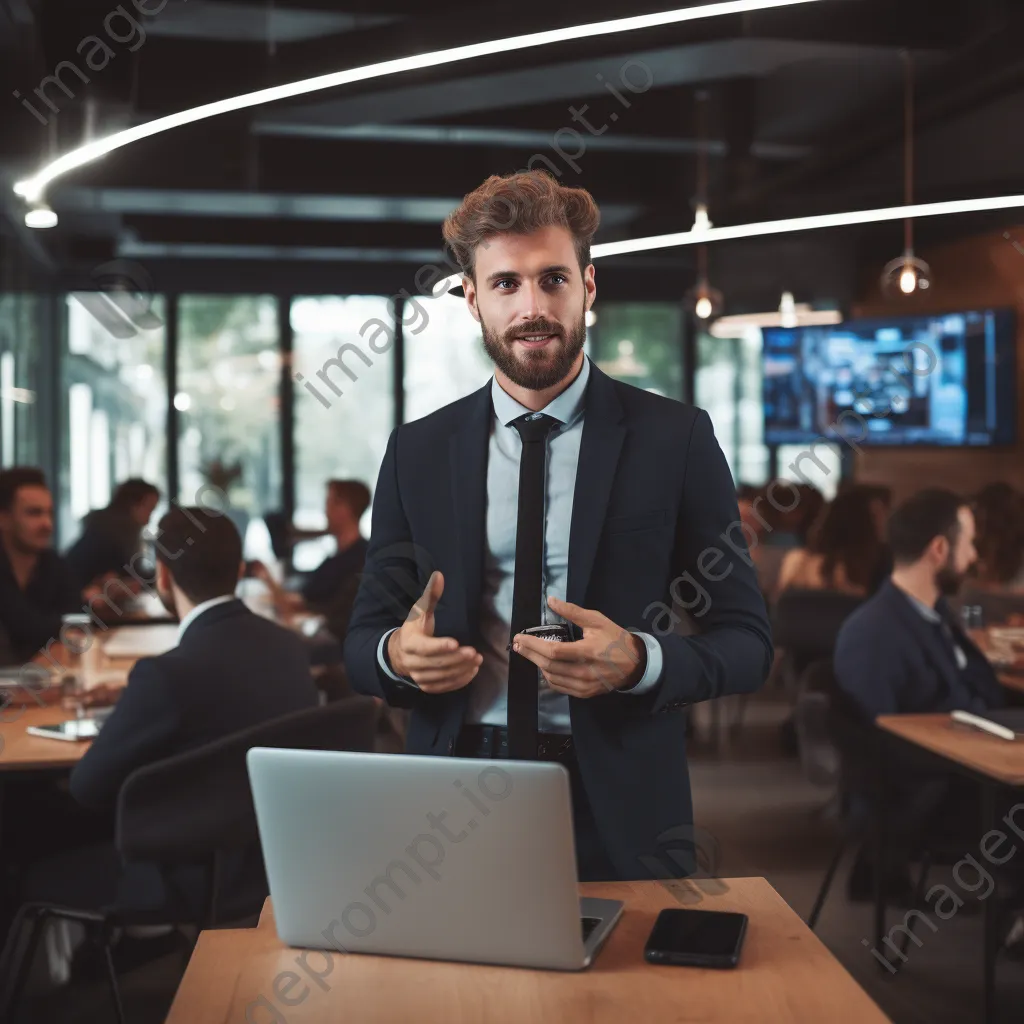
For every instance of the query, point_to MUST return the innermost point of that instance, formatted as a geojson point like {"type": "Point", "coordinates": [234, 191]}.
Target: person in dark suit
{"type": "Point", "coordinates": [624, 504]}
{"type": "Point", "coordinates": [902, 651]}
{"type": "Point", "coordinates": [230, 670]}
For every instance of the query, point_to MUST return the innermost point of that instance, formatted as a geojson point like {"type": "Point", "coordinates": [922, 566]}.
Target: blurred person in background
{"type": "Point", "coordinates": [778, 526]}
{"type": "Point", "coordinates": [330, 588]}
{"type": "Point", "coordinates": [112, 536]}
{"type": "Point", "coordinates": [843, 549]}
{"type": "Point", "coordinates": [230, 670]}
{"type": "Point", "coordinates": [902, 651]}
{"type": "Point", "coordinates": [37, 586]}
{"type": "Point", "coordinates": [997, 585]}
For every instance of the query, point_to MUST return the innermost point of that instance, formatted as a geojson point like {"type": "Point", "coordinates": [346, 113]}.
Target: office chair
{"type": "Point", "coordinates": [806, 623]}
{"type": "Point", "coordinates": [189, 813]}
{"type": "Point", "coordinates": [843, 746]}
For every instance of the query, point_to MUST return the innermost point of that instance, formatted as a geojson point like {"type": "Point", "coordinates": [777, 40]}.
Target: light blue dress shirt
{"type": "Point", "coordinates": [488, 692]}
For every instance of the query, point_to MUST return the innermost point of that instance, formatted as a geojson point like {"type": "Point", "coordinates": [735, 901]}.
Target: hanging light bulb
{"type": "Point", "coordinates": [908, 273]}
{"type": "Point", "coordinates": [39, 215]}
{"type": "Point", "coordinates": [705, 301]}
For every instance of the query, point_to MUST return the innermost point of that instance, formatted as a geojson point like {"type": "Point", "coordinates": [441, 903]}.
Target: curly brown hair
{"type": "Point", "coordinates": [520, 204]}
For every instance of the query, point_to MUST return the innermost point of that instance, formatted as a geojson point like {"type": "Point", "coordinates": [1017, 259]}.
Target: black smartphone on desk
{"type": "Point", "coordinates": [696, 938]}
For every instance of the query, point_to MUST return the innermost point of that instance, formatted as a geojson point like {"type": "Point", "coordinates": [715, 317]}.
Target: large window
{"type": "Point", "coordinates": [228, 400]}
{"type": "Point", "coordinates": [21, 344]}
{"type": "Point", "coordinates": [444, 354]}
{"type": "Point", "coordinates": [344, 401]}
{"type": "Point", "coordinates": [640, 343]}
{"type": "Point", "coordinates": [116, 413]}
{"type": "Point", "coordinates": [727, 383]}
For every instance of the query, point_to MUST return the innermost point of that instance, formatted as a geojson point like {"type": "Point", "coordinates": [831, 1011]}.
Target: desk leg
{"type": "Point", "coordinates": [881, 857]}
{"type": "Point", "coordinates": [990, 916]}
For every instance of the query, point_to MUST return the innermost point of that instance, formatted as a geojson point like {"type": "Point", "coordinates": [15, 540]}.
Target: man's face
{"type": "Point", "coordinates": [962, 555]}
{"type": "Point", "coordinates": [28, 524]}
{"type": "Point", "coordinates": [336, 511]}
{"type": "Point", "coordinates": [143, 510]}
{"type": "Point", "coordinates": [531, 300]}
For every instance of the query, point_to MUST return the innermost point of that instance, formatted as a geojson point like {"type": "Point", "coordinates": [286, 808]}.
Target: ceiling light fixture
{"type": "Point", "coordinates": [907, 273]}
{"type": "Point", "coordinates": [739, 324]}
{"type": "Point", "coordinates": [39, 215]}
{"type": "Point", "coordinates": [33, 188]}
{"type": "Point", "coordinates": [762, 229]}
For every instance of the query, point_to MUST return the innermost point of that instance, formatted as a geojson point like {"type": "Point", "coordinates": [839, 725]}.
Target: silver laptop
{"type": "Point", "coordinates": [438, 857]}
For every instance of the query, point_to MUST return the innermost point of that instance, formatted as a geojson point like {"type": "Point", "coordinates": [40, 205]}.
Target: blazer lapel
{"type": "Point", "coordinates": [603, 434]}
{"type": "Point", "coordinates": [467, 451]}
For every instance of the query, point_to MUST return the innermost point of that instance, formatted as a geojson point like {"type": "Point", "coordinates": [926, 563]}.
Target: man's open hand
{"type": "Point", "coordinates": [607, 658]}
{"type": "Point", "coordinates": [436, 664]}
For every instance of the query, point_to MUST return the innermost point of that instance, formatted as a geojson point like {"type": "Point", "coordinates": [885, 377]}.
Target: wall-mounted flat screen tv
{"type": "Point", "coordinates": [923, 380]}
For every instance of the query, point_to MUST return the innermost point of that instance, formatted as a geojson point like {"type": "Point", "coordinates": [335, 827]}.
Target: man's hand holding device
{"type": "Point", "coordinates": [436, 664]}
{"type": "Point", "coordinates": [607, 658]}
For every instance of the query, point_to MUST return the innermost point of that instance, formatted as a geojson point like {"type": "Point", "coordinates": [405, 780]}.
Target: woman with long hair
{"type": "Point", "coordinates": [843, 548]}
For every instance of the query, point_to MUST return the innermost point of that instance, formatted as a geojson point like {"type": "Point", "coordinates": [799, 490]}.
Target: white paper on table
{"type": "Point", "coordinates": [141, 641]}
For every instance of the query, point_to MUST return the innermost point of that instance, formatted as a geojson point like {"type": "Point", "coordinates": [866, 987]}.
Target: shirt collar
{"type": "Point", "coordinates": [564, 407]}
{"type": "Point", "coordinates": [926, 612]}
{"type": "Point", "coordinates": [199, 609]}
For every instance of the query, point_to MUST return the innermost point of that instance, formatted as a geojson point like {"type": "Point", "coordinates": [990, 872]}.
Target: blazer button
{"type": "Point", "coordinates": [451, 744]}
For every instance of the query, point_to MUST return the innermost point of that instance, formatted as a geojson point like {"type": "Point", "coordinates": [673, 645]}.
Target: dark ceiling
{"type": "Point", "coordinates": [344, 190]}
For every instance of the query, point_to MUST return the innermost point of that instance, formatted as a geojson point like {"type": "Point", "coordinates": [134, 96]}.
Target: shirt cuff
{"type": "Point", "coordinates": [655, 661]}
{"type": "Point", "coordinates": [383, 661]}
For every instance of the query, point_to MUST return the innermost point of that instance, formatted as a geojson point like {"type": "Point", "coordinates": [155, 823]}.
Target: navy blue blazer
{"type": "Point", "coordinates": [891, 661]}
{"type": "Point", "coordinates": [653, 504]}
{"type": "Point", "coordinates": [231, 670]}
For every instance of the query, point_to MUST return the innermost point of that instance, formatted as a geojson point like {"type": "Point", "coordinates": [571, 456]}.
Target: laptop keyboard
{"type": "Point", "coordinates": [589, 924]}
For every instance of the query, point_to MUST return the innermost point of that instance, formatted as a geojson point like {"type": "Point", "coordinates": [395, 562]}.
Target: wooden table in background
{"type": "Point", "coordinates": [785, 975]}
{"type": "Point", "coordinates": [996, 765]}
{"type": "Point", "coordinates": [976, 751]}
{"type": "Point", "coordinates": [20, 752]}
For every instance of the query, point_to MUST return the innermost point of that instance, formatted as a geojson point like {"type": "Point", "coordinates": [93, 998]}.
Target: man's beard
{"type": "Point", "coordinates": [540, 368]}
{"type": "Point", "coordinates": [947, 579]}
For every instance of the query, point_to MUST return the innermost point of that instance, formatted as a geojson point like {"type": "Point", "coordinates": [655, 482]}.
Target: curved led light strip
{"type": "Point", "coordinates": [782, 227]}
{"type": "Point", "coordinates": [32, 188]}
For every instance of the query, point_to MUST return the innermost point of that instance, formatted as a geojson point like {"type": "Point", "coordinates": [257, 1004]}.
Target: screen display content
{"type": "Point", "coordinates": [936, 380]}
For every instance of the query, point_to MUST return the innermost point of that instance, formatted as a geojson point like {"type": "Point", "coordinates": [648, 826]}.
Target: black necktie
{"type": "Point", "coordinates": [526, 592]}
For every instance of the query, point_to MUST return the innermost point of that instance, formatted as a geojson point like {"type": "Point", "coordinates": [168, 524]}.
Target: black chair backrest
{"type": "Point", "coordinates": [806, 623]}
{"type": "Point", "coordinates": [849, 729]}
{"type": "Point", "coordinates": [184, 809]}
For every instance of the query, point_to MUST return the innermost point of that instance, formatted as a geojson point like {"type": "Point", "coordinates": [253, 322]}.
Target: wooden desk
{"type": "Point", "coordinates": [1012, 681]}
{"type": "Point", "coordinates": [978, 752]}
{"type": "Point", "coordinates": [785, 975]}
{"type": "Point", "coordinates": [22, 752]}
{"type": "Point", "coordinates": [994, 764]}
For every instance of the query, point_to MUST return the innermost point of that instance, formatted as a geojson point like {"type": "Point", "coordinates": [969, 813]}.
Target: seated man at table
{"type": "Point", "coordinates": [902, 651]}
{"type": "Point", "coordinates": [330, 588]}
{"type": "Point", "coordinates": [36, 585]}
{"type": "Point", "coordinates": [231, 670]}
